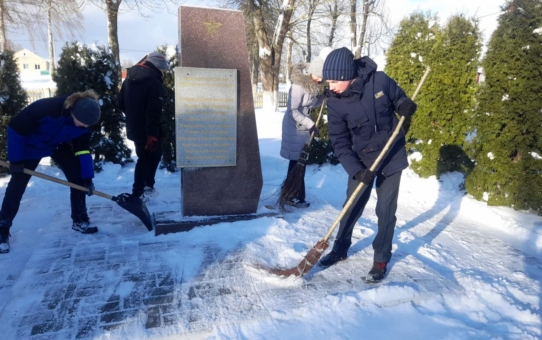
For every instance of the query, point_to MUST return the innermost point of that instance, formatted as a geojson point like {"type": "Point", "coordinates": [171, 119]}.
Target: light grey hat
{"type": "Point", "coordinates": [158, 60]}
{"type": "Point", "coordinates": [317, 65]}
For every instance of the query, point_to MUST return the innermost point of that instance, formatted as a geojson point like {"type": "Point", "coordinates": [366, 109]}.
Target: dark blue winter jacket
{"type": "Point", "coordinates": [362, 119]}
{"type": "Point", "coordinates": [41, 127]}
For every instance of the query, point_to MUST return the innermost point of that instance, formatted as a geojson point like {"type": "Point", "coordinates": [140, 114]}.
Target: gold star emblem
{"type": "Point", "coordinates": [212, 27]}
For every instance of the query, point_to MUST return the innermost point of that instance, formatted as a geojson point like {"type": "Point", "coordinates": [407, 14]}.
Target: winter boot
{"type": "Point", "coordinates": [298, 204]}
{"type": "Point", "coordinates": [378, 272]}
{"type": "Point", "coordinates": [84, 227]}
{"type": "Point", "coordinates": [4, 240]}
{"type": "Point", "coordinates": [331, 258]}
{"type": "Point", "coordinates": [150, 192]}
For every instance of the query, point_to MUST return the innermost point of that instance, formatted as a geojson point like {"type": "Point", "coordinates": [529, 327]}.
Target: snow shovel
{"type": "Point", "coordinates": [316, 252]}
{"type": "Point", "coordinates": [126, 201]}
{"type": "Point", "coordinates": [291, 186]}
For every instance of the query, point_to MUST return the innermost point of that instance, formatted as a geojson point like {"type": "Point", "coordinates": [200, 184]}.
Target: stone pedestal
{"type": "Point", "coordinates": [215, 39]}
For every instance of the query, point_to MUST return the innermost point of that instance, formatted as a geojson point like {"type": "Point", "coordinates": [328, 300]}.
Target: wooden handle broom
{"type": "Point", "coordinates": [293, 182]}
{"type": "Point", "coordinates": [316, 252]}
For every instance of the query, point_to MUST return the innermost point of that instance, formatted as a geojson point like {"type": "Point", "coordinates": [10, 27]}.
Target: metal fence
{"type": "Point", "coordinates": [258, 99]}
{"type": "Point", "coordinates": [35, 94]}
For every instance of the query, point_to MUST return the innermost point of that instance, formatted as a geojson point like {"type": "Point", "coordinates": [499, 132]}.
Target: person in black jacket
{"type": "Point", "coordinates": [55, 127]}
{"type": "Point", "coordinates": [361, 104]}
{"type": "Point", "coordinates": [141, 99]}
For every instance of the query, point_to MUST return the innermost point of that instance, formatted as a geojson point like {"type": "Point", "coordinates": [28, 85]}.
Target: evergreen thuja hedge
{"type": "Point", "coordinates": [410, 51]}
{"type": "Point", "coordinates": [83, 67]}
{"type": "Point", "coordinates": [13, 98]}
{"type": "Point", "coordinates": [445, 106]}
{"type": "Point", "coordinates": [321, 149]}
{"type": "Point", "coordinates": [508, 118]}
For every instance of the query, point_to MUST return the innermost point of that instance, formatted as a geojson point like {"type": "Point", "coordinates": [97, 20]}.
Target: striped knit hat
{"type": "Point", "coordinates": [340, 65]}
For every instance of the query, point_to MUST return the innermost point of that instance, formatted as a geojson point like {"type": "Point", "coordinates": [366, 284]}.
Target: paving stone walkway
{"type": "Point", "coordinates": [73, 289]}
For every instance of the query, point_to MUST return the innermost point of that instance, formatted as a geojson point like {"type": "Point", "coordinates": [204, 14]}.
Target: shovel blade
{"type": "Point", "coordinates": [136, 206]}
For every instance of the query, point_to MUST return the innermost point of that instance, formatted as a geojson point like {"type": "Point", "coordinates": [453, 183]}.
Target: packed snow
{"type": "Point", "coordinates": [460, 270]}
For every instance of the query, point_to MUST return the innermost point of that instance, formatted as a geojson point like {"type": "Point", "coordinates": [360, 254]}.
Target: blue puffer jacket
{"type": "Point", "coordinates": [362, 119]}
{"type": "Point", "coordinates": [41, 127]}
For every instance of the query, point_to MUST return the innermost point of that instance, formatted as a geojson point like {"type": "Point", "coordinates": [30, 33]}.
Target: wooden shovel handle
{"type": "Point", "coordinates": [59, 181]}
{"type": "Point", "coordinates": [376, 163]}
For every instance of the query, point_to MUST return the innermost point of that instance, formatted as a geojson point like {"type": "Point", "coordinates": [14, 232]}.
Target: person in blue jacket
{"type": "Point", "coordinates": [55, 127]}
{"type": "Point", "coordinates": [361, 104]}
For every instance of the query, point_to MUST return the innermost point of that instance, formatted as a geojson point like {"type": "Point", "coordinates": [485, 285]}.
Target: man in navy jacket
{"type": "Point", "coordinates": [55, 127]}
{"type": "Point", "coordinates": [361, 104]}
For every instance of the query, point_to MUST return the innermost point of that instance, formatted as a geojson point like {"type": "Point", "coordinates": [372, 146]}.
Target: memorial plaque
{"type": "Point", "coordinates": [205, 117]}
{"type": "Point", "coordinates": [215, 39]}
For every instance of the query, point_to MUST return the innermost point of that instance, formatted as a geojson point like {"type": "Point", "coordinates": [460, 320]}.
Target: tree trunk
{"type": "Point", "coordinates": [361, 41]}
{"type": "Point", "coordinates": [308, 55]}
{"type": "Point", "coordinates": [312, 8]}
{"type": "Point", "coordinates": [112, 8]}
{"type": "Point", "coordinates": [3, 40]}
{"type": "Point", "coordinates": [255, 69]}
{"type": "Point", "coordinates": [289, 57]}
{"type": "Point", "coordinates": [50, 37]}
{"type": "Point", "coordinates": [334, 18]}
{"type": "Point", "coordinates": [270, 51]}
{"type": "Point", "coordinates": [353, 24]}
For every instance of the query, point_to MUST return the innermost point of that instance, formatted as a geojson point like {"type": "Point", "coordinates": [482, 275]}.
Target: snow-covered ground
{"type": "Point", "coordinates": [461, 269]}
{"type": "Point", "coordinates": [37, 82]}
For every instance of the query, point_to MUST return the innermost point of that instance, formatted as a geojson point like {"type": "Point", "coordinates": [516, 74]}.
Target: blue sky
{"type": "Point", "coordinates": [139, 35]}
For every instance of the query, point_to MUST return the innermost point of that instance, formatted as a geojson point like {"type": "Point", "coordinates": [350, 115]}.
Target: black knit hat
{"type": "Point", "coordinates": [340, 65]}
{"type": "Point", "coordinates": [87, 111]}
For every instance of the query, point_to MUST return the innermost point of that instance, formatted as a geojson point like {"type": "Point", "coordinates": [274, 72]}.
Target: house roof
{"type": "Point", "coordinates": [24, 50]}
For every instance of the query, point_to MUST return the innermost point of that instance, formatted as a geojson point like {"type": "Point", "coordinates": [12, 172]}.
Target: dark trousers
{"type": "Point", "coordinates": [387, 192]}
{"type": "Point", "coordinates": [301, 196]}
{"type": "Point", "coordinates": [68, 163]}
{"type": "Point", "coordinates": [146, 166]}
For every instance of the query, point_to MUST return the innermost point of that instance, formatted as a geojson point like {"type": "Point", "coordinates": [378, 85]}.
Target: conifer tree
{"type": "Point", "coordinates": [443, 120]}
{"type": "Point", "coordinates": [410, 49]}
{"type": "Point", "coordinates": [168, 113]}
{"type": "Point", "coordinates": [508, 118]}
{"type": "Point", "coordinates": [321, 148]}
{"type": "Point", "coordinates": [13, 98]}
{"type": "Point", "coordinates": [83, 67]}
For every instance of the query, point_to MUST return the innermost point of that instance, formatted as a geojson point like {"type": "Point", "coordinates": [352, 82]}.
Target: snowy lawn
{"type": "Point", "coordinates": [460, 270]}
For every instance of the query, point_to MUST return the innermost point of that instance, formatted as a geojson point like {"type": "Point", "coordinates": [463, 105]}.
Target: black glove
{"type": "Point", "coordinates": [315, 130]}
{"type": "Point", "coordinates": [407, 108]}
{"type": "Point", "coordinates": [87, 183]}
{"type": "Point", "coordinates": [365, 176]}
{"type": "Point", "coordinates": [16, 167]}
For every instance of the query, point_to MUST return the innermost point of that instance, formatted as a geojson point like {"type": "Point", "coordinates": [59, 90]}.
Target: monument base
{"type": "Point", "coordinates": [172, 222]}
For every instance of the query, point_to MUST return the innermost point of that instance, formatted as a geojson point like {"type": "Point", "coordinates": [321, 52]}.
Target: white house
{"type": "Point", "coordinates": [31, 64]}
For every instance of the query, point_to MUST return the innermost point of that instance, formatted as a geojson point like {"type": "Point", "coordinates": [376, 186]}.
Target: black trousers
{"type": "Point", "coordinates": [146, 166]}
{"type": "Point", "coordinates": [387, 192]}
{"type": "Point", "coordinates": [301, 196]}
{"type": "Point", "coordinates": [68, 163]}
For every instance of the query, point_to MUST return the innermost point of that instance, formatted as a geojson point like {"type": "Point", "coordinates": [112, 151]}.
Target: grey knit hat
{"type": "Point", "coordinates": [158, 60]}
{"type": "Point", "coordinates": [87, 111]}
{"type": "Point", "coordinates": [340, 65]}
{"type": "Point", "coordinates": [316, 66]}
